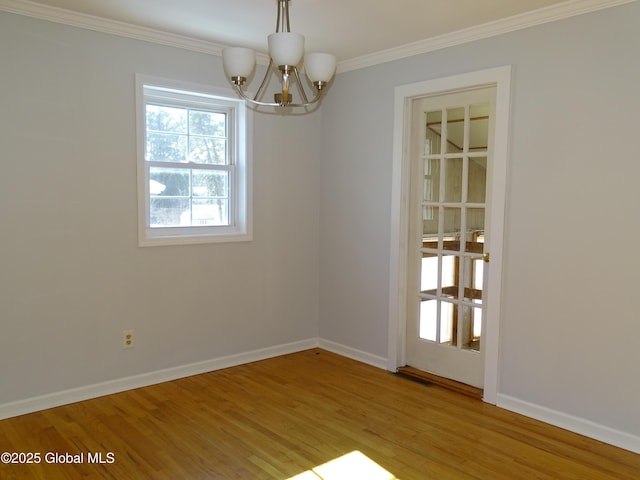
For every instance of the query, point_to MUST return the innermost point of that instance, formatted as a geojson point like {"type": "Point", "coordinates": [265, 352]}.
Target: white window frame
{"type": "Point", "coordinates": [152, 89]}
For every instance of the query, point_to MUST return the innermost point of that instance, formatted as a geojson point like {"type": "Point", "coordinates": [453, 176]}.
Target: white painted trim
{"type": "Point", "coordinates": [574, 424]}
{"type": "Point", "coordinates": [65, 397]}
{"type": "Point", "coordinates": [552, 13]}
{"type": "Point", "coordinates": [87, 392]}
{"type": "Point", "coordinates": [353, 353]}
{"type": "Point", "coordinates": [114, 27]}
{"type": "Point", "coordinates": [496, 217]}
{"type": "Point", "coordinates": [399, 241]}
{"type": "Point", "coordinates": [548, 14]}
{"type": "Point", "coordinates": [104, 25]}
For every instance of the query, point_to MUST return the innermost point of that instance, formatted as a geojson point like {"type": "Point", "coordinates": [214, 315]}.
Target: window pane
{"type": "Point", "coordinates": [169, 182]}
{"type": "Point", "coordinates": [208, 183]}
{"type": "Point", "coordinates": [166, 147]}
{"type": "Point", "coordinates": [169, 190]}
{"type": "Point", "coordinates": [167, 211]}
{"type": "Point", "coordinates": [213, 124]}
{"type": "Point", "coordinates": [188, 197]}
{"type": "Point", "coordinates": [211, 202]}
{"type": "Point", "coordinates": [166, 119]}
{"type": "Point", "coordinates": [210, 212]}
{"type": "Point", "coordinates": [208, 150]}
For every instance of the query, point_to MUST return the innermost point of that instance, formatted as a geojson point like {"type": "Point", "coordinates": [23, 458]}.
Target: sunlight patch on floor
{"type": "Point", "coordinates": [348, 467]}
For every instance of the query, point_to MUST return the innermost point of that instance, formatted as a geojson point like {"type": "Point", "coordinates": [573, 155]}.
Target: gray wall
{"type": "Point", "coordinates": [72, 276]}
{"type": "Point", "coordinates": [570, 326]}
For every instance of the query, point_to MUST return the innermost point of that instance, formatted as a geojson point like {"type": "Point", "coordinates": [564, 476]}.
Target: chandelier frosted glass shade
{"type": "Point", "coordinates": [319, 67]}
{"type": "Point", "coordinates": [286, 51]}
{"type": "Point", "coordinates": [286, 48]}
{"type": "Point", "coordinates": [238, 61]}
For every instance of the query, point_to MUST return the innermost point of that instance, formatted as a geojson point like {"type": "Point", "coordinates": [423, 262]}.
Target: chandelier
{"type": "Point", "coordinates": [286, 50]}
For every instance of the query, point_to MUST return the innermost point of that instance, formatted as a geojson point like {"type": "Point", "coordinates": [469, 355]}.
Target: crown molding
{"type": "Point", "coordinates": [552, 13]}
{"type": "Point", "coordinates": [103, 25]}
{"type": "Point", "coordinates": [570, 8]}
{"type": "Point", "coordinates": [114, 27]}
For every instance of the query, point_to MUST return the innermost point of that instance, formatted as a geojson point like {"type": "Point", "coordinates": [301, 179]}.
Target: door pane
{"type": "Point", "coordinates": [449, 276]}
{"type": "Point", "coordinates": [471, 328]}
{"type": "Point", "coordinates": [469, 277]}
{"type": "Point", "coordinates": [428, 319]}
{"type": "Point", "coordinates": [447, 323]}
{"type": "Point", "coordinates": [474, 230]}
{"type": "Point", "coordinates": [478, 127]}
{"type": "Point", "coordinates": [478, 274]}
{"type": "Point", "coordinates": [477, 181]}
{"type": "Point", "coordinates": [429, 274]}
{"type": "Point", "coordinates": [455, 130]}
{"type": "Point", "coordinates": [433, 133]}
{"type": "Point", "coordinates": [477, 282]}
{"type": "Point", "coordinates": [430, 220]}
{"type": "Point", "coordinates": [453, 180]}
{"type": "Point", "coordinates": [431, 190]}
{"type": "Point", "coordinates": [451, 224]}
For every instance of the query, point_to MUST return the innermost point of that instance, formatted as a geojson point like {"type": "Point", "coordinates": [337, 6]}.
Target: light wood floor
{"type": "Point", "coordinates": [281, 417]}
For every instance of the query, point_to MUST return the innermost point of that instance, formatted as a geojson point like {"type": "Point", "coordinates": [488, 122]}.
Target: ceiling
{"type": "Point", "coordinates": [347, 28]}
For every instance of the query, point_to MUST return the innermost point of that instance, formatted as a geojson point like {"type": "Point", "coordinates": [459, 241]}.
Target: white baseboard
{"type": "Point", "coordinates": [79, 394]}
{"type": "Point", "coordinates": [359, 355]}
{"type": "Point", "coordinates": [571, 423]}
{"type": "Point", "coordinates": [547, 415]}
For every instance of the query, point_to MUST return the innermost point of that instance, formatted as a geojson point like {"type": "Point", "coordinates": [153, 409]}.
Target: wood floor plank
{"type": "Point", "coordinates": [278, 418]}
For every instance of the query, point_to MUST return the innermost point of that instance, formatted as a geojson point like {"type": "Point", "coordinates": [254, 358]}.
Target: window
{"type": "Point", "coordinates": [193, 164]}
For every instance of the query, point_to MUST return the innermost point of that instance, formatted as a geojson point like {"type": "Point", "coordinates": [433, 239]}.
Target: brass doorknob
{"type": "Point", "coordinates": [485, 257]}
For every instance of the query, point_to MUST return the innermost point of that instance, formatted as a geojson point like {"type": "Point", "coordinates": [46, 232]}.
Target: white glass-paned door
{"type": "Point", "coordinates": [450, 157]}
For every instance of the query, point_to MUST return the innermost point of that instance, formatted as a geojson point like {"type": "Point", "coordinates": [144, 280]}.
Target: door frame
{"type": "Point", "coordinates": [500, 77]}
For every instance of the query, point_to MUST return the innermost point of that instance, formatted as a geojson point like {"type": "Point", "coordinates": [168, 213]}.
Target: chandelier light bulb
{"type": "Point", "coordinates": [319, 67]}
{"type": "Point", "coordinates": [238, 61]}
{"type": "Point", "coordinates": [286, 48]}
{"type": "Point", "coordinates": [286, 51]}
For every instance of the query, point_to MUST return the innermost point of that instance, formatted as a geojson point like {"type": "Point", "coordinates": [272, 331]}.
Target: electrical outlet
{"type": "Point", "coordinates": [127, 339]}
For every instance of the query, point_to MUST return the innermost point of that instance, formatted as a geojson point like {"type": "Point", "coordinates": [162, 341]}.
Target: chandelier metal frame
{"type": "Point", "coordinates": [289, 74]}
